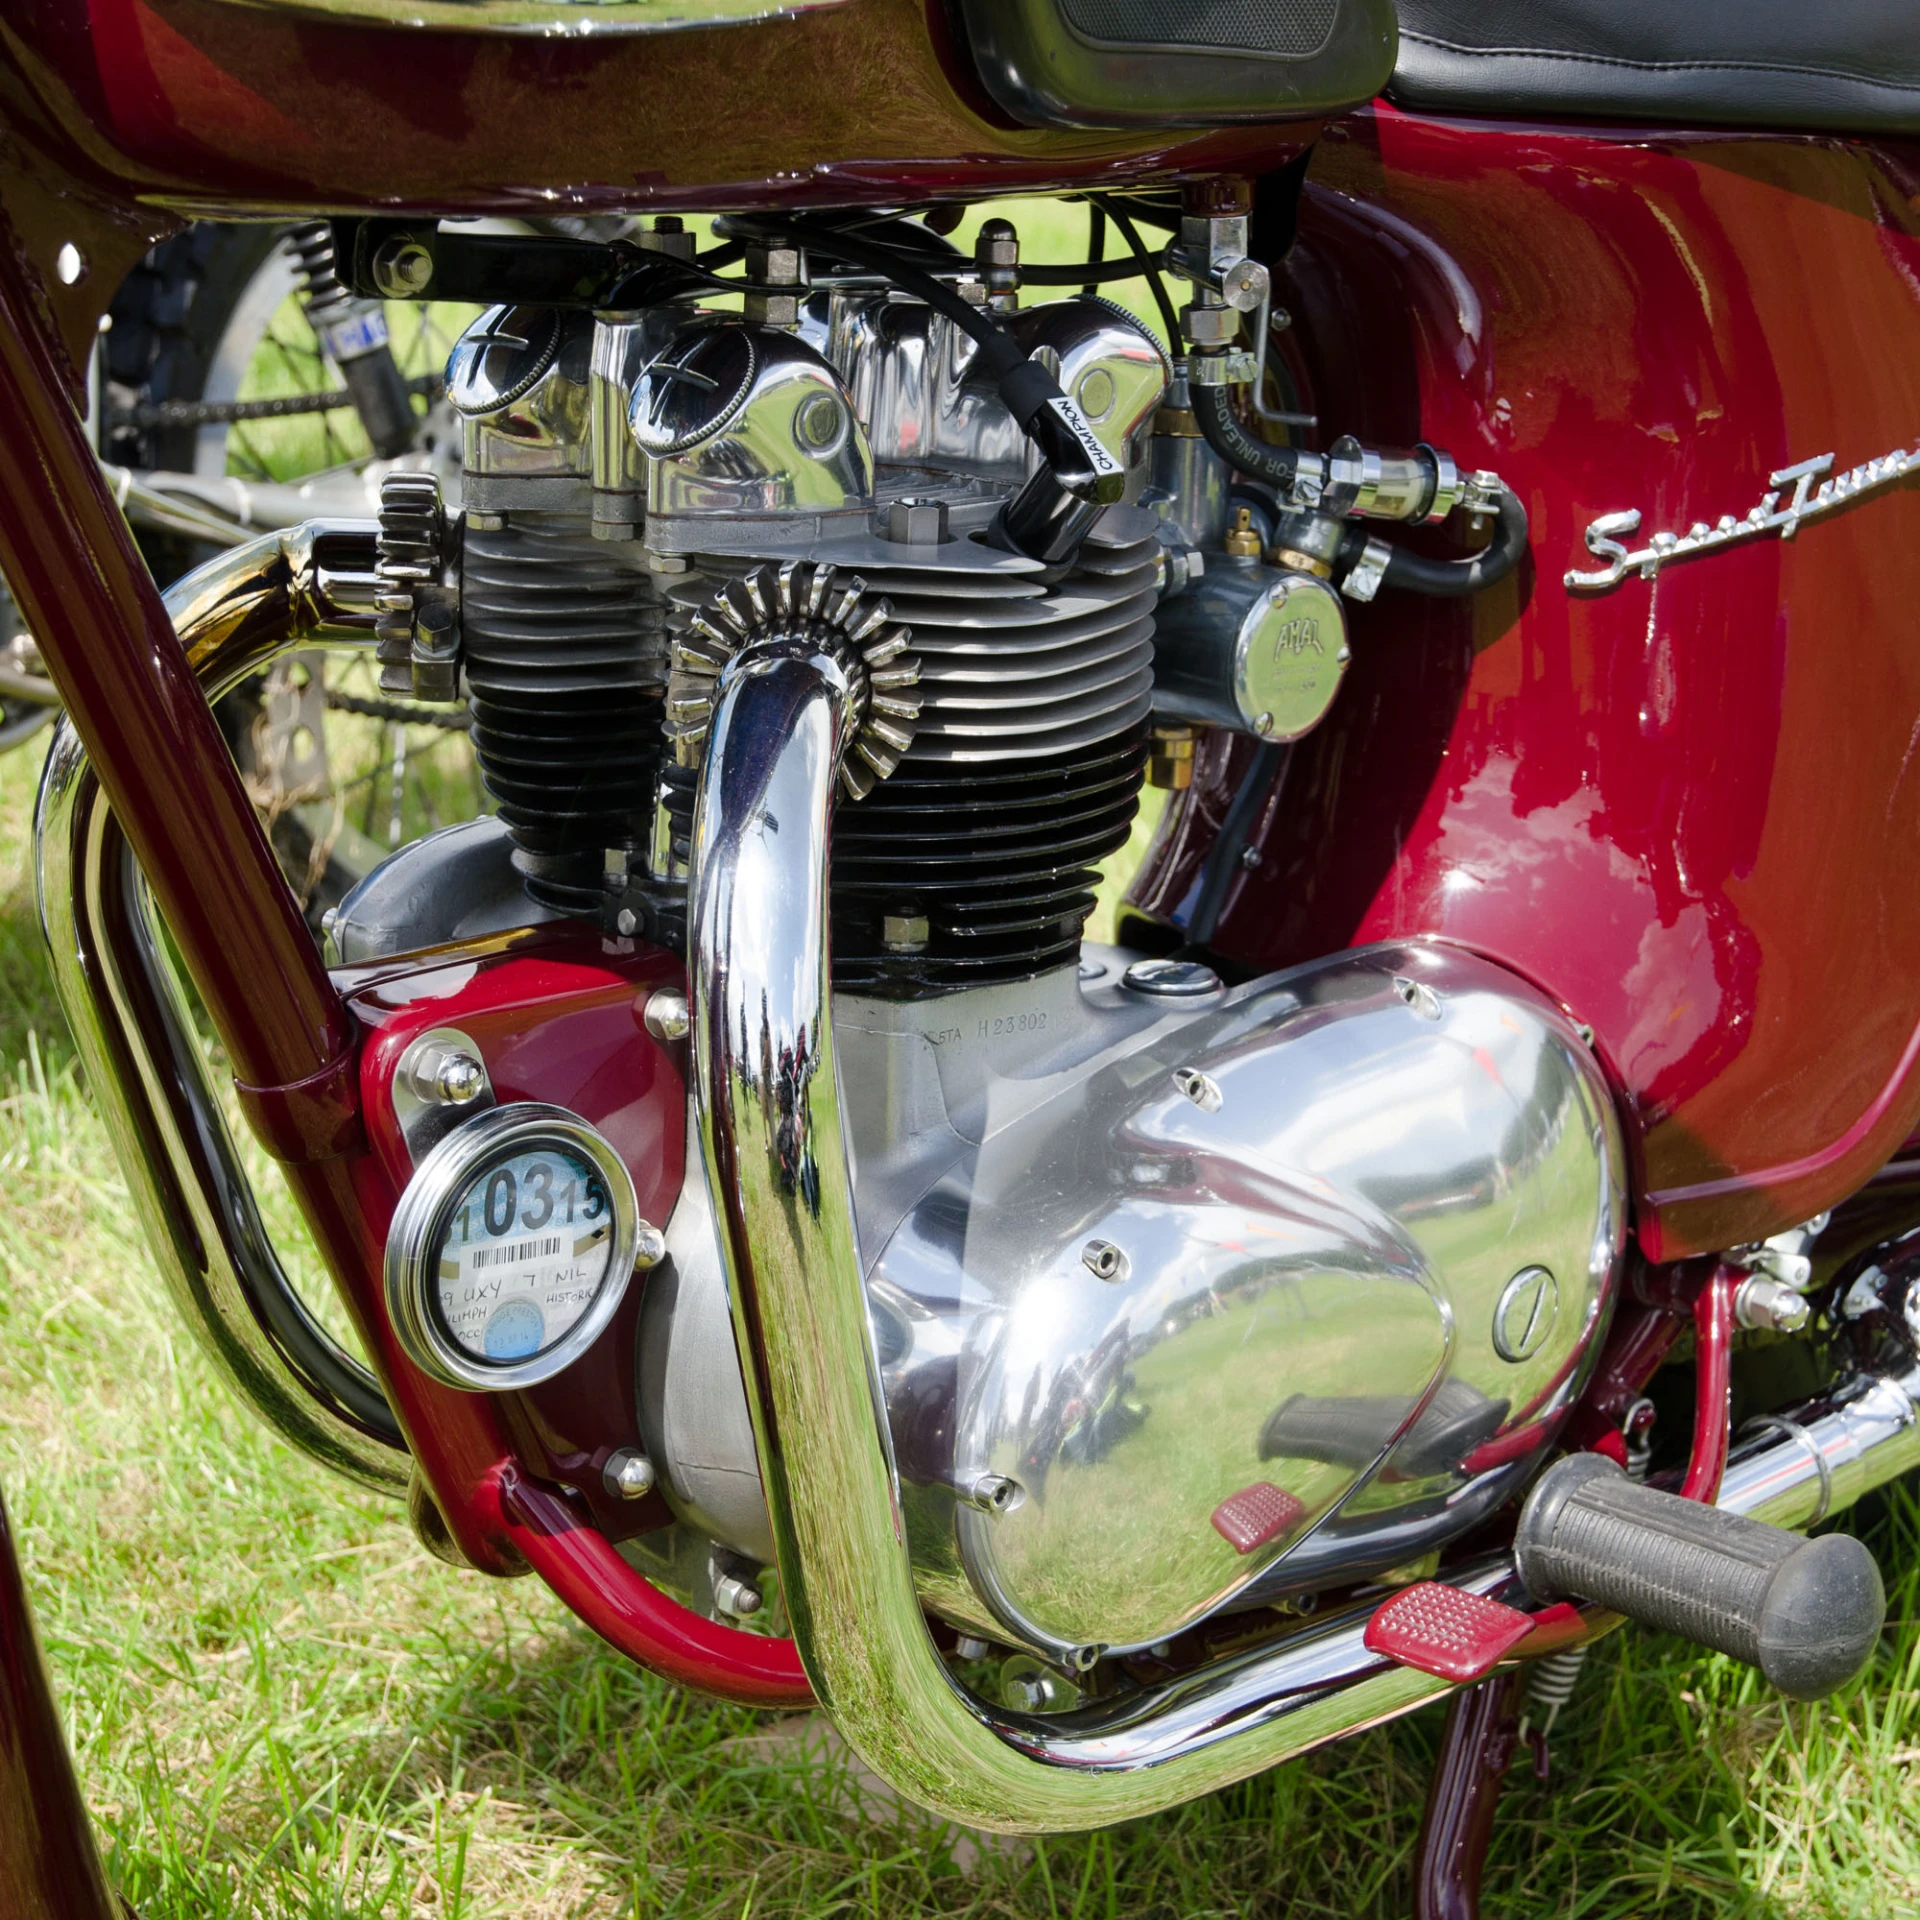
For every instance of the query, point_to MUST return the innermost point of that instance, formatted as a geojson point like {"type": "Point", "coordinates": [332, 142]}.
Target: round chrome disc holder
{"type": "Point", "coordinates": [520, 1216]}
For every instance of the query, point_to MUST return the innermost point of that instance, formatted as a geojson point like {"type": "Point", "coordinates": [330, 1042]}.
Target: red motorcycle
{"type": "Point", "coordinates": [1092, 1373]}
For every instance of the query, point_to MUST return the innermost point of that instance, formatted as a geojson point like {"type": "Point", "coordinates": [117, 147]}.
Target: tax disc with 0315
{"type": "Point", "coordinates": [511, 1248]}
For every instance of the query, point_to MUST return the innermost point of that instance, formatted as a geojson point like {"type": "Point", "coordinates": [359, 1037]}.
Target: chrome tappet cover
{"type": "Point", "coordinates": [1182, 1304]}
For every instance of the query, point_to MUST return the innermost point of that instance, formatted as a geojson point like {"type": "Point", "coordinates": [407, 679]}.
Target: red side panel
{"type": "Point", "coordinates": [1689, 808]}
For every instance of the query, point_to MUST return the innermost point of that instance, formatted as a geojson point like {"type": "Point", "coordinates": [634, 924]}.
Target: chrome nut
{"type": "Point", "coordinates": [1762, 1302]}
{"type": "Point", "coordinates": [1210, 326]}
{"type": "Point", "coordinates": [628, 1474]}
{"type": "Point", "coordinates": [665, 1015]}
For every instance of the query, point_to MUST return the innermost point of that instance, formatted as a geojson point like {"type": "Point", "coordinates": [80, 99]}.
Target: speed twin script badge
{"type": "Point", "coordinates": [1529, 1305]}
{"type": "Point", "coordinates": [1808, 501]}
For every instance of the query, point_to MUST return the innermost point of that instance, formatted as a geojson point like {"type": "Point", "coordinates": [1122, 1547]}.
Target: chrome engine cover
{"type": "Point", "coordinates": [1183, 1305]}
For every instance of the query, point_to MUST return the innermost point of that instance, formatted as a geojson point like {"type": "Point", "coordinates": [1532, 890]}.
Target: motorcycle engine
{"type": "Point", "coordinates": [1181, 1296]}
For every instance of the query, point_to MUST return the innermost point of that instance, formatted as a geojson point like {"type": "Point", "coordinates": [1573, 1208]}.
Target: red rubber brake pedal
{"type": "Point", "coordinates": [1255, 1515]}
{"type": "Point", "coordinates": [1446, 1631]}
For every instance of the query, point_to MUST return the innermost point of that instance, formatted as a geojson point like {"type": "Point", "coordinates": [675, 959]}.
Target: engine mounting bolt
{"type": "Point", "coordinates": [664, 1014]}
{"type": "Point", "coordinates": [627, 922]}
{"type": "Point", "coordinates": [1771, 1304]}
{"type": "Point", "coordinates": [649, 1246]}
{"type": "Point", "coordinates": [1104, 1260]}
{"type": "Point", "coordinates": [628, 1474]}
{"type": "Point", "coordinates": [402, 268]}
{"type": "Point", "coordinates": [905, 932]}
{"type": "Point", "coordinates": [732, 1595]}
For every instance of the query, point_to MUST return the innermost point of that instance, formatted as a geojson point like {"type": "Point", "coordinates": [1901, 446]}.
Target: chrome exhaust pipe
{"type": "Point", "coordinates": [770, 1120]}
{"type": "Point", "coordinates": [133, 1025]}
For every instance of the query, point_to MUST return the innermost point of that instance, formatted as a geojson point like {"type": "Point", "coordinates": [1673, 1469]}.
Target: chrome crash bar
{"type": "Point", "coordinates": [769, 1109]}
{"type": "Point", "coordinates": [134, 1027]}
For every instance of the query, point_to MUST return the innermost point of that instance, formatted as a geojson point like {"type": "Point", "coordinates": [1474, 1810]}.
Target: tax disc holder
{"type": "Point", "coordinates": [511, 1247]}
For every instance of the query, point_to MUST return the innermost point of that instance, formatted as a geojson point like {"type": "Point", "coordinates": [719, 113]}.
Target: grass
{"type": "Point", "coordinates": [280, 1707]}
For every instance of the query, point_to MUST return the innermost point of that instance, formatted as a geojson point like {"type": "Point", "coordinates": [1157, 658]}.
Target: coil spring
{"type": "Point", "coordinates": [1550, 1685]}
{"type": "Point", "coordinates": [316, 265]}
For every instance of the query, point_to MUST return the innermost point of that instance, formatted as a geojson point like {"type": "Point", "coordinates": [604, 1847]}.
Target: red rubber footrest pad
{"type": "Point", "coordinates": [1255, 1515]}
{"type": "Point", "coordinates": [1445, 1631]}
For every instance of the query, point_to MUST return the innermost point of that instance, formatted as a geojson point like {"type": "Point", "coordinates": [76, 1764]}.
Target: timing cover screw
{"type": "Point", "coordinates": [1104, 1260]}
{"type": "Point", "coordinates": [1418, 996]}
{"type": "Point", "coordinates": [1202, 1089]}
{"type": "Point", "coordinates": [993, 1493]}
{"type": "Point", "coordinates": [628, 1474]}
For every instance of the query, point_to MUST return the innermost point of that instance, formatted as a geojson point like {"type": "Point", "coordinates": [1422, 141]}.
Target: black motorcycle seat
{"type": "Point", "coordinates": [1844, 65]}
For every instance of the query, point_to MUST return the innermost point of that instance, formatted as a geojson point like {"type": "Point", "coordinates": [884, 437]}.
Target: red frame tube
{"type": "Point", "coordinates": [1482, 1726]}
{"type": "Point", "coordinates": [1713, 1384]}
{"type": "Point", "coordinates": [49, 1866]}
{"type": "Point", "coordinates": [158, 753]}
{"type": "Point", "coordinates": [631, 1614]}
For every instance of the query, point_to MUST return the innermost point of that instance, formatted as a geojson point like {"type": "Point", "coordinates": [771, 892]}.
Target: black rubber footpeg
{"type": "Point", "coordinates": [1805, 1612]}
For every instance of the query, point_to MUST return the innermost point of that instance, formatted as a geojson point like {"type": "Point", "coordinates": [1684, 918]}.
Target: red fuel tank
{"type": "Point", "coordinates": [1686, 803]}
{"type": "Point", "coordinates": [220, 104]}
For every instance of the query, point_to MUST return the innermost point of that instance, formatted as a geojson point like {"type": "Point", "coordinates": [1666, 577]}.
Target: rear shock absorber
{"type": "Point", "coordinates": [354, 335]}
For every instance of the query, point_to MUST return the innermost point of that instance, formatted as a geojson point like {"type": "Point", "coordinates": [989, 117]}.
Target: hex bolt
{"type": "Point", "coordinates": [628, 1474]}
{"type": "Point", "coordinates": [968, 1648]}
{"type": "Point", "coordinates": [626, 923]}
{"type": "Point", "coordinates": [445, 1076]}
{"type": "Point", "coordinates": [665, 1015]}
{"type": "Point", "coordinates": [737, 1597]}
{"type": "Point", "coordinates": [1762, 1302]}
{"type": "Point", "coordinates": [402, 269]}
{"type": "Point", "coordinates": [1104, 1260]}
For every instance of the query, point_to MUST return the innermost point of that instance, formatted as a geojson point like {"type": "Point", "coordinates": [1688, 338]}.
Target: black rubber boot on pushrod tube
{"type": "Point", "coordinates": [1805, 1612]}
